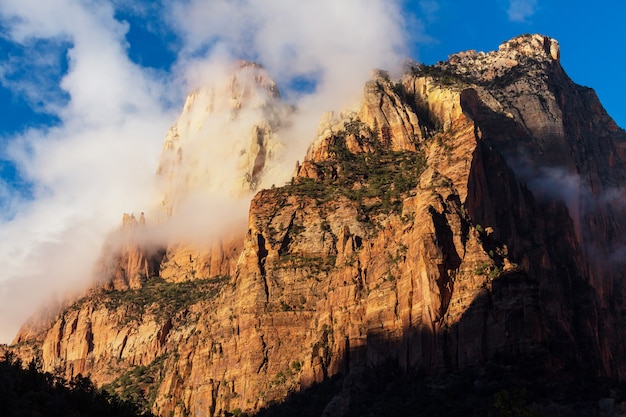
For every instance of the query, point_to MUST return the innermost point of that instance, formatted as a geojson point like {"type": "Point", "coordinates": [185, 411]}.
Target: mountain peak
{"type": "Point", "coordinates": [531, 53]}
{"type": "Point", "coordinates": [535, 46]}
{"type": "Point", "coordinates": [224, 137]}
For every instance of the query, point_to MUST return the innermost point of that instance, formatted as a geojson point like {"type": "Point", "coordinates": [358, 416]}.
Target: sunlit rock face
{"type": "Point", "coordinates": [465, 212]}
{"type": "Point", "coordinates": [133, 261]}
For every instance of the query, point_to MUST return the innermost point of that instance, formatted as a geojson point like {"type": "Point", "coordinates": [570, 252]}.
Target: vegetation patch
{"type": "Point", "coordinates": [139, 385]}
{"type": "Point", "coordinates": [441, 75]}
{"type": "Point", "coordinates": [487, 269]}
{"type": "Point", "coordinates": [378, 178]}
{"type": "Point", "coordinates": [163, 298]}
{"type": "Point", "coordinates": [315, 264]}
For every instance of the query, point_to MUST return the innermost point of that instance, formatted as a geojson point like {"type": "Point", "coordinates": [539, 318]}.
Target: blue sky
{"type": "Point", "coordinates": [89, 88]}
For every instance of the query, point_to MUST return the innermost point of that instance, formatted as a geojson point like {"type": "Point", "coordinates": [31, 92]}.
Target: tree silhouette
{"type": "Point", "coordinates": [26, 391]}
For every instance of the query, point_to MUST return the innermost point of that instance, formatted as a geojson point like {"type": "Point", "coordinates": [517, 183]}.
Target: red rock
{"type": "Point", "coordinates": [504, 244]}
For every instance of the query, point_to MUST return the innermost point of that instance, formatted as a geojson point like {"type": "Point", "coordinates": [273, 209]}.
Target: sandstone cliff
{"type": "Point", "coordinates": [466, 211]}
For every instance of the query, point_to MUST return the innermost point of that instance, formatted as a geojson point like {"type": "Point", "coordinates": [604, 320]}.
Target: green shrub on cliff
{"type": "Point", "coordinates": [163, 298]}
{"type": "Point", "coordinates": [379, 179]}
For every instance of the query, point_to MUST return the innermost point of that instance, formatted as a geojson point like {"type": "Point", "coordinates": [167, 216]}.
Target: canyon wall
{"type": "Point", "coordinates": [468, 211]}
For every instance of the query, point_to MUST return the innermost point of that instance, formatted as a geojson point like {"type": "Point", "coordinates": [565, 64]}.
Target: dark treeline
{"type": "Point", "coordinates": [26, 391]}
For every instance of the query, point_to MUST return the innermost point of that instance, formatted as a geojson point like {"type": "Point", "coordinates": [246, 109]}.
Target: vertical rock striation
{"type": "Point", "coordinates": [468, 211]}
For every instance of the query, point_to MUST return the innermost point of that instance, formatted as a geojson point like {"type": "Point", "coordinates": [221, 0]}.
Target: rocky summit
{"type": "Point", "coordinates": [465, 219]}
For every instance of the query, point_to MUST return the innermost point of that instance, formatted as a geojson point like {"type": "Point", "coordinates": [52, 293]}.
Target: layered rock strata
{"type": "Point", "coordinates": [466, 212]}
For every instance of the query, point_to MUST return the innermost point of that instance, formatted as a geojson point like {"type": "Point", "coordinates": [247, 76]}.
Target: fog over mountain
{"type": "Point", "coordinates": [100, 159]}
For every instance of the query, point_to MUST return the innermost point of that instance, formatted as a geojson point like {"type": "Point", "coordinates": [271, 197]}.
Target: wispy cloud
{"type": "Point", "coordinates": [430, 9]}
{"type": "Point", "coordinates": [84, 172]}
{"type": "Point", "coordinates": [521, 10]}
{"type": "Point", "coordinates": [100, 160]}
{"type": "Point", "coordinates": [332, 45]}
{"type": "Point", "coordinates": [43, 60]}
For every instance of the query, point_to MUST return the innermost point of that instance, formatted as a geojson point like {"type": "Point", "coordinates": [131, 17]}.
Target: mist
{"type": "Point", "coordinates": [588, 207]}
{"type": "Point", "coordinates": [101, 159]}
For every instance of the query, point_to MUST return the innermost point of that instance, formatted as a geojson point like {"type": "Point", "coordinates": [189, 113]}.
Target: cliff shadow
{"type": "Point", "coordinates": [492, 364]}
{"type": "Point", "coordinates": [542, 237]}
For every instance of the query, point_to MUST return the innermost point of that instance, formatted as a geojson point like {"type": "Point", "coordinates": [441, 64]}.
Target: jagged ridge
{"type": "Point", "coordinates": [419, 229]}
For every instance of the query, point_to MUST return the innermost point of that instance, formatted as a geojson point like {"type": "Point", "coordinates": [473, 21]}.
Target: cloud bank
{"type": "Point", "coordinates": [95, 163]}
{"type": "Point", "coordinates": [100, 159]}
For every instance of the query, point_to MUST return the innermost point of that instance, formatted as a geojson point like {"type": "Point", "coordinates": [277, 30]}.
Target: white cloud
{"type": "Point", "coordinates": [40, 59]}
{"type": "Point", "coordinates": [520, 10]}
{"type": "Point", "coordinates": [86, 172]}
{"type": "Point", "coordinates": [9, 201]}
{"type": "Point", "coordinates": [336, 44]}
{"type": "Point", "coordinates": [100, 161]}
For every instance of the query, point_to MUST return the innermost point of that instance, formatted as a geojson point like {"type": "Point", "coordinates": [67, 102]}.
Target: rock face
{"type": "Point", "coordinates": [125, 263]}
{"type": "Point", "coordinates": [225, 139]}
{"type": "Point", "coordinates": [467, 211]}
